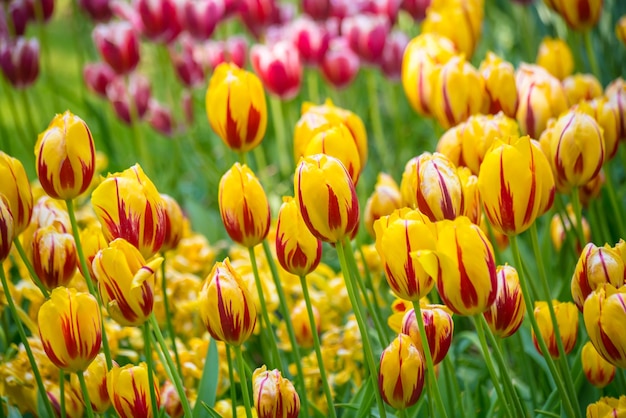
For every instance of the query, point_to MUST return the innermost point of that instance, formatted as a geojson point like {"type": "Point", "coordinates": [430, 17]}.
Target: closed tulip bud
{"type": "Point", "coordinates": [128, 206]}
{"type": "Point", "coordinates": [70, 328]}
{"type": "Point", "coordinates": [366, 34]}
{"type": "Point", "coordinates": [472, 206]}
{"type": "Point", "coordinates": [243, 206]}
{"type": "Point", "coordinates": [130, 97]}
{"type": "Point", "coordinates": [506, 314]}
{"type": "Point", "coordinates": [92, 240]}
{"type": "Point", "coordinates": [580, 87]}
{"type": "Point", "coordinates": [559, 225]}
{"type": "Point", "coordinates": [170, 401]}
{"type": "Point", "coordinates": [458, 20]}
{"type": "Point", "coordinates": [98, 76]}
{"type": "Point", "coordinates": [604, 316]}
{"type": "Point", "coordinates": [397, 236]}
{"type": "Point", "coordinates": [439, 328]}
{"type": "Point", "coordinates": [596, 266]}
{"type": "Point", "coordinates": [96, 382]}
{"type": "Point", "coordinates": [337, 141]}
{"type": "Point", "coordinates": [19, 61]}
{"type": "Point", "coordinates": [576, 149]}
{"type": "Point", "coordinates": [279, 68]}
{"type": "Point", "coordinates": [200, 18]}
{"type": "Point", "coordinates": [98, 10]}
{"type": "Point", "coordinates": [555, 56]}
{"type": "Point", "coordinates": [302, 325]}
{"type": "Point", "coordinates": [18, 13]}
{"type": "Point", "coordinates": [236, 108]}
{"type": "Point", "coordinates": [73, 401]}
{"type": "Point", "coordinates": [126, 282]}
{"type": "Point", "coordinates": [383, 201]}
{"type": "Point", "coordinates": [130, 391]}
{"type": "Point", "coordinates": [317, 9]}
{"type": "Point", "coordinates": [274, 396]}
{"type": "Point", "coordinates": [416, 8]}
{"type": "Point", "coordinates": [118, 45]}
{"type": "Point", "coordinates": [430, 183]}
{"type": "Point", "coordinates": [464, 267]}
{"type": "Point", "coordinates": [391, 60]}
{"type": "Point", "coordinates": [616, 94]}
{"type": "Point", "coordinates": [620, 29]}
{"type": "Point", "coordinates": [174, 223]}
{"type": "Point", "coordinates": [160, 118]}
{"type": "Point", "coordinates": [309, 124]}
{"type": "Point", "coordinates": [297, 250]}
{"type": "Point", "coordinates": [598, 371]}
{"type": "Point", "coordinates": [54, 256]}
{"type": "Point", "coordinates": [581, 15]}
{"type": "Point", "coordinates": [459, 91]}
{"type": "Point", "coordinates": [16, 189]}
{"type": "Point", "coordinates": [450, 145]}
{"type": "Point", "coordinates": [66, 157]}
{"type": "Point", "coordinates": [607, 116]}
{"type": "Point", "coordinates": [515, 184]}
{"type": "Point", "coordinates": [340, 64]}
{"type": "Point", "coordinates": [607, 407]}
{"type": "Point", "coordinates": [311, 39]}
{"type": "Point", "coordinates": [326, 198]}
{"type": "Point", "coordinates": [7, 229]}
{"type": "Point", "coordinates": [402, 373]}
{"type": "Point", "coordinates": [499, 78]}
{"type": "Point", "coordinates": [567, 321]}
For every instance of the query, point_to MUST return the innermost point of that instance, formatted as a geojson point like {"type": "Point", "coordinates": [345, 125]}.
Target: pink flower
{"type": "Point", "coordinates": [118, 45]}
{"type": "Point", "coordinates": [279, 68]}
{"type": "Point", "coordinates": [19, 61]}
{"type": "Point", "coordinates": [340, 65]}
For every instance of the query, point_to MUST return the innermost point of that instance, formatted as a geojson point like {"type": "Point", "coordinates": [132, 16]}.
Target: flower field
{"type": "Point", "coordinates": [316, 208]}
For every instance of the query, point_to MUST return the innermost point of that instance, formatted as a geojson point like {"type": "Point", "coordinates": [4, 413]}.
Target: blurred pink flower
{"type": "Point", "coordinates": [279, 68]}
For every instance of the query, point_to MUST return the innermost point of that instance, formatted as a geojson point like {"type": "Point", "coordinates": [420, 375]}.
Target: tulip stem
{"type": "Point", "coordinates": [168, 319]}
{"type": "Point", "coordinates": [282, 149]}
{"type": "Point", "coordinates": [571, 236]}
{"type": "Point", "coordinates": [591, 56]}
{"type": "Point", "coordinates": [19, 127]}
{"type": "Point", "coordinates": [610, 188]}
{"type": "Point", "coordinates": [150, 363]}
{"type": "Point", "coordinates": [231, 377]}
{"type": "Point", "coordinates": [449, 367]}
{"type": "Point", "coordinates": [31, 358]}
{"type": "Point", "coordinates": [377, 125]}
{"type": "Point", "coordinates": [312, 85]}
{"type": "Point", "coordinates": [318, 351]}
{"type": "Point", "coordinates": [431, 384]}
{"type": "Point", "coordinates": [264, 312]}
{"type": "Point", "coordinates": [370, 283]}
{"type": "Point", "coordinates": [29, 116]}
{"type": "Point", "coordinates": [29, 267]}
{"type": "Point", "coordinates": [243, 379]}
{"type": "Point", "coordinates": [567, 402]}
{"type": "Point", "coordinates": [575, 200]}
{"type": "Point", "coordinates": [87, 274]}
{"type": "Point", "coordinates": [140, 145]}
{"type": "Point", "coordinates": [290, 331]}
{"type": "Point", "coordinates": [62, 393]}
{"type": "Point", "coordinates": [83, 388]}
{"type": "Point", "coordinates": [367, 346]}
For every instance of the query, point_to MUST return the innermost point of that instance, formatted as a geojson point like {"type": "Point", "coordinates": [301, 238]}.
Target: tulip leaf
{"type": "Point", "coordinates": [207, 388]}
{"type": "Point", "coordinates": [212, 412]}
{"type": "Point", "coordinates": [42, 412]}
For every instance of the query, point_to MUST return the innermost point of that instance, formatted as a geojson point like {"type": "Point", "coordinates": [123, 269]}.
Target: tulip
{"type": "Point", "coordinates": [450, 145]}
{"type": "Point", "coordinates": [130, 392]}
{"type": "Point", "coordinates": [309, 124]}
{"type": "Point", "coordinates": [19, 61]}
{"type": "Point", "coordinates": [126, 282]}
{"type": "Point", "coordinates": [559, 225]}
{"type": "Point", "coordinates": [430, 183]}
{"type": "Point", "coordinates": [200, 18]}
{"type": "Point", "coordinates": [160, 118]}
{"type": "Point", "coordinates": [383, 201]}
{"type": "Point", "coordinates": [311, 39]}
{"type": "Point", "coordinates": [157, 20]}
{"type": "Point", "coordinates": [16, 190]}
{"type": "Point", "coordinates": [604, 315]}
{"type": "Point", "coordinates": [464, 266]}
{"type": "Point", "coordinates": [556, 57]}
{"type": "Point", "coordinates": [226, 305]}
{"type": "Point", "coordinates": [515, 184]}
{"type": "Point", "coordinates": [499, 78]}
{"type": "Point", "coordinates": [608, 118]}
{"type": "Point", "coordinates": [472, 202]}
{"type": "Point", "coordinates": [170, 401]}
{"type": "Point", "coordinates": [66, 157]}
{"type": "Point", "coordinates": [243, 206]}
{"type": "Point", "coordinates": [317, 9]}
{"type": "Point", "coordinates": [326, 197]}
{"type": "Point", "coordinates": [279, 68]}
{"type": "Point", "coordinates": [439, 328]}
{"type": "Point", "coordinates": [402, 373]}
{"type": "Point", "coordinates": [236, 108]}
{"type": "Point", "coordinates": [130, 97]}
{"type": "Point", "coordinates": [98, 10]}
{"type": "Point", "coordinates": [458, 20]}
{"type": "Point", "coordinates": [129, 206]}
{"type": "Point", "coordinates": [19, 14]}
{"type": "Point", "coordinates": [98, 76]}
{"type": "Point", "coordinates": [257, 15]}
{"type": "Point", "coordinates": [607, 407]}
{"type": "Point", "coordinates": [616, 94]}
{"type": "Point", "coordinates": [580, 87]}
{"type": "Point", "coordinates": [391, 60]}
{"type": "Point", "coordinates": [297, 250]}
{"type": "Point", "coordinates": [174, 223]}
{"type": "Point", "coordinates": [620, 29]}
{"type": "Point", "coordinates": [274, 396]}
{"type": "Point", "coordinates": [416, 8]}
{"type": "Point", "coordinates": [92, 240]}
{"type": "Point", "coordinates": [54, 257]}
{"type": "Point", "coordinates": [340, 64]}
{"type": "Point", "coordinates": [506, 314]}
{"type": "Point", "coordinates": [188, 65]}
{"type": "Point", "coordinates": [213, 53]}
{"type": "Point", "coordinates": [70, 329]}
{"type": "Point", "coordinates": [567, 321]}
{"type": "Point", "coordinates": [397, 236]}
{"type": "Point", "coordinates": [598, 371]}
{"type": "Point", "coordinates": [40, 10]}
{"type": "Point", "coordinates": [366, 34]}
{"type": "Point", "coordinates": [582, 15]}
{"type": "Point", "coordinates": [386, 8]}
{"type": "Point", "coordinates": [118, 45]}
{"type": "Point", "coordinates": [7, 229]}
{"type": "Point", "coordinates": [302, 325]}
{"type": "Point", "coordinates": [73, 402]}
{"type": "Point", "coordinates": [96, 382]}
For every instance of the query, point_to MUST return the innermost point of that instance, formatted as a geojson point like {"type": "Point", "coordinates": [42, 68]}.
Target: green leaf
{"type": "Point", "coordinates": [207, 389]}
{"type": "Point", "coordinates": [546, 413]}
{"type": "Point", "coordinates": [211, 412]}
{"type": "Point", "coordinates": [42, 412]}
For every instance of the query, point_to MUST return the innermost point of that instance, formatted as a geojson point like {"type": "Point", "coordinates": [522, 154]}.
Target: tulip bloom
{"type": "Point", "coordinates": [580, 87]}
{"type": "Point", "coordinates": [366, 34]}
{"type": "Point", "coordinates": [297, 250]}
{"type": "Point", "coordinates": [96, 381]}
{"type": "Point", "coordinates": [555, 56]}
{"type": "Point", "coordinates": [311, 39]}
{"type": "Point", "coordinates": [118, 44]}
{"type": "Point", "coordinates": [516, 184]}
{"type": "Point", "coordinates": [608, 117]}
{"type": "Point", "coordinates": [439, 328]}
{"type": "Point", "coordinates": [472, 207]}
{"type": "Point", "coordinates": [16, 189]}
{"type": "Point", "coordinates": [54, 256]}
{"type": "Point", "coordinates": [236, 108]}
{"type": "Point", "coordinates": [582, 15]}
{"type": "Point", "coordinates": [243, 206]}
{"type": "Point", "coordinates": [397, 236]}
{"type": "Point", "coordinates": [458, 20]}
{"type": "Point", "coordinates": [464, 266]}
{"type": "Point", "coordinates": [499, 78]}
{"type": "Point", "coordinates": [604, 316]}
{"type": "Point", "coordinates": [66, 157]}
{"type": "Point", "coordinates": [401, 375]}
{"type": "Point", "coordinates": [567, 321]}
{"type": "Point", "coordinates": [7, 229]}
{"type": "Point", "coordinates": [126, 282]}
{"type": "Point", "coordinates": [130, 391]}
{"type": "Point", "coordinates": [607, 407]}
{"type": "Point", "coordinates": [226, 305]}
{"type": "Point", "coordinates": [70, 329]}
{"type": "Point", "coordinates": [326, 198]}
{"type": "Point", "coordinates": [19, 61]}
{"type": "Point", "coordinates": [620, 29]}
{"type": "Point", "coordinates": [274, 396]}
{"type": "Point", "coordinates": [383, 201]}
{"type": "Point", "coordinates": [506, 314]}
{"type": "Point", "coordinates": [302, 325]}
{"type": "Point", "coordinates": [174, 223]}
{"type": "Point", "coordinates": [128, 206]}
{"type": "Point", "coordinates": [279, 68]}
{"type": "Point", "coordinates": [340, 64]}
{"type": "Point", "coordinates": [598, 371]}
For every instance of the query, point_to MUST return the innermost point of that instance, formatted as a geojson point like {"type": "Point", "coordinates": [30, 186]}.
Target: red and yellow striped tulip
{"type": "Point", "coordinates": [302, 325]}
{"type": "Point", "coordinates": [385, 198]}
{"type": "Point", "coordinates": [507, 313]}
{"type": "Point", "coordinates": [579, 15]}
{"type": "Point", "coordinates": [608, 117]}
{"type": "Point", "coordinates": [580, 87]}
{"type": "Point", "coordinates": [439, 328]}
{"type": "Point", "coordinates": [130, 393]}
{"type": "Point", "coordinates": [499, 78]}
{"type": "Point", "coordinates": [7, 229]}
{"type": "Point", "coordinates": [54, 256]}
{"type": "Point", "coordinates": [556, 57]}
{"type": "Point", "coordinates": [607, 407]}
{"type": "Point", "coordinates": [598, 371]}
{"type": "Point", "coordinates": [274, 395]}
{"type": "Point", "coordinates": [96, 382]}
{"type": "Point", "coordinates": [595, 266]}
{"type": "Point", "coordinates": [16, 189]}
{"type": "Point", "coordinates": [567, 321]}
{"type": "Point", "coordinates": [472, 203]}
{"type": "Point", "coordinates": [92, 240]}
{"type": "Point", "coordinates": [174, 223]}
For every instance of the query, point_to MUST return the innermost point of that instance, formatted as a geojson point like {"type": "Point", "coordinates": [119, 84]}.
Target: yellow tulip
{"type": "Point", "coordinates": [302, 325]}
{"type": "Point", "coordinates": [54, 256]}
{"type": "Point", "coordinates": [620, 29]}
{"type": "Point", "coordinates": [598, 371]}
{"type": "Point", "coordinates": [66, 157]}
{"type": "Point", "coordinates": [383, 201]}
{"type": "Point", "coordinates": [556, 57]}
{"type": "Point", "coordinates": [567, 321]}
{"type": "Point", "coordinates": [558, 228]}
{"type": "Point", "coordinates": [506, 315]}
{"type": "Point", "coordinates": [7, 229]}
{"type": "Point", "coordinates": [73, 401]}
{"type": "Point", "coordinates": [92, 240]}
{"type": "Point", "coordinates": [579, 15]}
{"type": "Point", "coordinates": [615, 92]}
{"type": "Point", "coordinates": [499, 78]}
{"type": "Point", "coordinates": [130, 392]}
{"type": "Point", "coordinates": [472, 206]}
{"type": "Point", "coordinates": [579, 87]}
{"type": "Point", "coordinates": [608, 117]}
{"type": "Point", "coordinates": [16, 189]}
{"type": "Point", "coordinates": [607, 407]}
{"type": "Point", "coordinates": [439, 328]}
{"type": "Point", "coordinates": [236, 107]}
{"type": "Point", "coordinates": [96, 381]}
{"type": "Point", "coordinates": [450, 144]}
{"type": "Point", "coordinates": [274, 396]}
{"type": "Point", "coordinates": [309, 124]}
{"type": "Point", "coordinates": [174, 223]}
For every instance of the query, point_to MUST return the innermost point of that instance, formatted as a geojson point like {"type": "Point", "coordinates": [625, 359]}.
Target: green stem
{"type": "Point", "coordinates": [31, 358]}
{"type": "Point", "coordinates": [290, 331]}
{"type": "Point", "coordinates": [528, 31]}
{"type": "Point", "coordinates": [83, 388]}
{"type": "Point", "coordinates": [19, 127]}
{"type": "Point", "coordinates": [282, 148]}
{"type": "Point", "coordinates": [567, 403]}
{"type": "Point", "coordinates": [617, 208]}
{"type": "Point", "coordinates": [591, 56]}
{"type": "Point", "coordinates": [244, 381]}
{"type": "Point", "coordinates": [171, 368]}
{"type": "Point", "coordinates": [377, 125]}
{"type": "Point", "coordinates": [431, 384]}
{"type": "Point", "coordinates": [574, 198]}
{"type": "Point", "coordinates": [150, 363]}
{"type": "Point", "coordinates": [29, 267]}
{"type": "Point", "coordinates": [168, 317]}
{"type": "Point", "coordinates": [369, 283]}
{"type": "Point", "coordinates": [276, 361]}
{"type": "Point", "coordinates": [356, 305]}
{"type": "Point", "coordinates": [312, 85]}
{"type": "Point", "coordinates": [318, 351]}
{"type": "Point", "coordinates": [571, 236]}
{"type": "Point", "coordinates": [231, 377]}
{"type": "Point", "coordinates": [140, 143]}
{"type": "Point", "coordinates": [45, 55]}
{"type": "Point", "coordinates": [29, 114]}
{"type": "Point", "coordinates": [449, 367]}
{"type": "Point", "coordinates": [62, 392]}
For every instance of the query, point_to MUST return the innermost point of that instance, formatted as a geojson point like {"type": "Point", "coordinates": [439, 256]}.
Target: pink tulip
{"type": "Point", "coordinates": [120, 95]}
{"type": "Point", "coordinates": [391, 60]}
{"type": "Point", "coordinates": [279, 68]}
{"type": "Point", "coordinates": [416, 8]}
{"type": "Point", "coordinates": [311, 39]}
{"type": "Point", "coordinates": [98, 10]}
{"type": "Point", "coordinates": [366, 34]}
{"type": "Point", "coordinates": [19, 61]}
{"type": "Point", "coordinates": [118, 45]}
{"type": "Point", "coordinates": [98, 76]}
{"type": "Point", "coordinates": [340, 65]}
{"type": "Point", "coordinates": [160, 118]}
{"type": "Point", "coordinates": [200, 17]}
